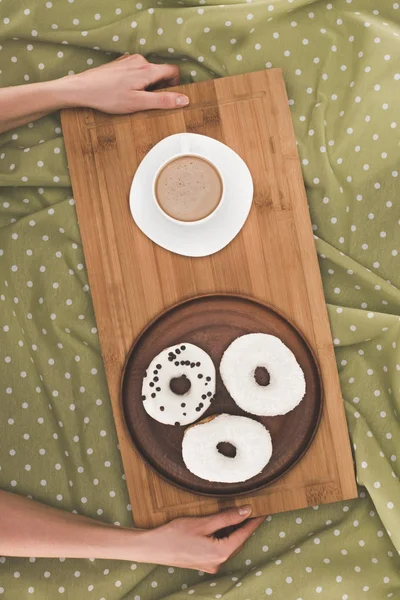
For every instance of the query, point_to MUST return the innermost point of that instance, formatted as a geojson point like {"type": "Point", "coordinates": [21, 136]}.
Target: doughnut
{"type": "Point", "coordinates": [196, 372]}
{"type": "Point", "coordinates": [238, 366]}
{"type": "Point", "coordinates": [249, 438]}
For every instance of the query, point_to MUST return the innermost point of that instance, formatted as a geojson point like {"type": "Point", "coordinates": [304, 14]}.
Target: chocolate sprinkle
{"type": "Point", "coordinates": [153, 395]}
{"type": "Point", "coordinates": [143, 398]}
{"type": "Point", "coordinates": [162, 408]}
{"type": "Point", "coordinates": [177, 351]}
{"type": "Point", "coordinates": [158, 389]}
{"type": "Point", "coordinates": [183, 404]}
{"type": "Point", "coordinates": [208, 378]}
{"type": "Point", "coordinates": [159, 366]}
{"type": "Point", "coordinates": [151, 383]}
{"type": "Point", "coordinates": [155, 372]}
{"type": "Point", "coordinates": [203, 396]}
{"type": "Point", "coordinates": [177, 423]}
{"type": "Point", "coordinates": [183, 347]}
{"type": "Point", "coordinates": [156, 379]}
{"type": "Point", "coordinates": [184, 414]}
{"type": "Point", "coordinates": [198, 409]}
{"type": "Point", "coordinates": [200, 376]}
{"type": "Point", "coordinates": [177, 363]}
{"type": "Point", "coordinates": [198, 364]}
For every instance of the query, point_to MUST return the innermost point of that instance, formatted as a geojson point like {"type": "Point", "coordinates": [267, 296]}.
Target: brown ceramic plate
{"type": "Point", "coordinates": [212, 323]}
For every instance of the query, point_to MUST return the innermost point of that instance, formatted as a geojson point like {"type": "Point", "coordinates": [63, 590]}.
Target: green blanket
{"type": "Point", "coordinates": [58, 443]}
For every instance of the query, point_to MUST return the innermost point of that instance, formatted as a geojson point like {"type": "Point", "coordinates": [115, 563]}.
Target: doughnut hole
{"type": "Point", "coordinates": [226, 449]}
{"type": "Point", "coordinates": [261, 376]}
{"type": "Point", "coordinates": [180, 385]}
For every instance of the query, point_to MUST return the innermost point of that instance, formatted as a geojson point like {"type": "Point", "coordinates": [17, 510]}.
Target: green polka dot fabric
{"type": "Point", "coordinates": [58, 442]}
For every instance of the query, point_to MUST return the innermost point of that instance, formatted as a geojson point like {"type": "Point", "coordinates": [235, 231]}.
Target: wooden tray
{"type": "Point", "coordinates": [212, 323]}
{"type": "Point", "coordinates": [273, 259]}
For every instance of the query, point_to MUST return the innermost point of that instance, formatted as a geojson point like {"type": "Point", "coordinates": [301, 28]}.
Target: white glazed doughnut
{"type": "Point", "coordinates": [250, 438]}
{"type": "Point", "coordinates": [181, 360]}
{"type": "Point", "coordinates": [287, 385]}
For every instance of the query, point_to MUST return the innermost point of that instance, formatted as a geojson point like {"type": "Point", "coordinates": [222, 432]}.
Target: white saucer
{"type": "Point", "coordinates": [200, 239]}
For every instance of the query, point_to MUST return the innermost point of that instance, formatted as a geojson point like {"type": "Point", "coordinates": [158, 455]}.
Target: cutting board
{"type": "Point", "coordinates": [273, 259]}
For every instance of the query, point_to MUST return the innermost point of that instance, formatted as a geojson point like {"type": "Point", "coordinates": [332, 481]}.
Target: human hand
{"type": "Point", "coordinates": [119, 87]}
{"type": "Point", "coordinates": [191, 543]}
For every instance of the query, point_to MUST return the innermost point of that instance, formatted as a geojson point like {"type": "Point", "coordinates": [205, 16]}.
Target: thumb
{"type": "Point", "coordinates": [226, 518]}
{"type": "Point", "coordinates": [163, 100]}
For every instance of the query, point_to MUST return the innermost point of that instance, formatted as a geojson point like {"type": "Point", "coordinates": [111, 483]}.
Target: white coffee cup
{"type": "Point", "coordinates": [194, 155]}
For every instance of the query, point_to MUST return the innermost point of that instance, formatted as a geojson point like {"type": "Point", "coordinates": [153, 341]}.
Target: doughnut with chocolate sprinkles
{"type": "Point", "coordinates": [179, 391]}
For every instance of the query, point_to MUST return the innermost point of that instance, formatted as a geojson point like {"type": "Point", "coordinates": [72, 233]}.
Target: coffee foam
{"type": "Point", "coordinates": [188, 188]}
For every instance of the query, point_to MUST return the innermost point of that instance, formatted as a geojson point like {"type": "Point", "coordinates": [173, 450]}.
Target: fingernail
{"type": "Point", "coordinates": [182, 101]}
{"type": "Point", "coordinates": [244, 510]}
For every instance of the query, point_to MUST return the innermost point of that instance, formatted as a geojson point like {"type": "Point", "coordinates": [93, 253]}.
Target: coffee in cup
{"type": "Point", "coordinates": [188, 188]}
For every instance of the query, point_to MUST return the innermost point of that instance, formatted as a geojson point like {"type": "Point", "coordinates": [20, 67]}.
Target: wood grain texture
{"type": "Point", "coordinates": [273, 259]}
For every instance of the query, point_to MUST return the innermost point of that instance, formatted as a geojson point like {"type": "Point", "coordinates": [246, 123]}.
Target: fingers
{"type": "Point", "coordinates": [138, 59]}
{"type": "Point", "coordinates": [155, 73]}
{"type": "Point", "coordinates": [149, 75]}
{"type": "Point", "coordinates": [162, 100]}
{"type": "Point", "coordinates": [169, 74]}
{"type": "Point", "coordinates": [226, 518]}
{"type": "Point", "coordinates": [241, 535]}
{"type": "Point", "coordinates": [122, 57]}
